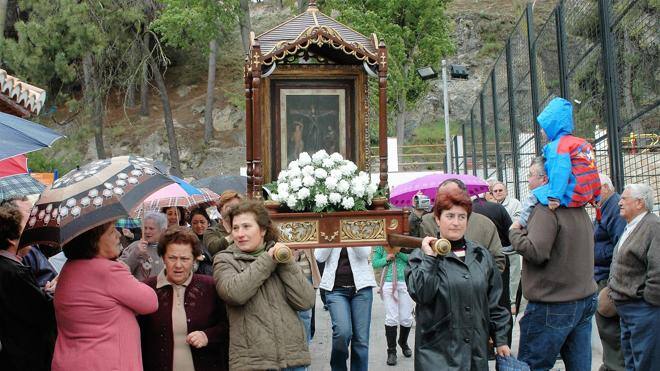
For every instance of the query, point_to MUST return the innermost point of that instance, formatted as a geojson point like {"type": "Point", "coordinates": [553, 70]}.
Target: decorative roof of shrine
{"type": "Point", "coordinates": [20, 95]}
{"type": "Point", "coordinates": [314, 29]}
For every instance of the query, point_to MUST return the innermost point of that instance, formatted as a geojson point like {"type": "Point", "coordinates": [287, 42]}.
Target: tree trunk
{"type": "Point", "coordinates": [302, 5]}
{"type": "Point", "coordinates": [244, 24]}
{"type": "Point", "coordinates": [169, 122]}
{"type": "Point", "coordinates": [144, 80]}
{"type": "Point", "coordinates": [280, 3]}
{"type": "Point", "coordinates": [94, 102]}
{"type": "Point", "coordinates": [135, 55]}
{"type": "Point", "coordinates": [3, 17]}
{"type": "Point", "coordinates": [626, 84]}
{"type": "Point", "coordinates": [210, 93]}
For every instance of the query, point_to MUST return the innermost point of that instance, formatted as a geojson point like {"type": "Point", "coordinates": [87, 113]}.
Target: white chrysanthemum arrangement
{"type": "Point", "coordinates": [323, 182]}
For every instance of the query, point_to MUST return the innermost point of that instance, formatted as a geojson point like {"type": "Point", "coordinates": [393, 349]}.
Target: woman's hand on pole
{"type": "Point", "coordinates": [427, 242]}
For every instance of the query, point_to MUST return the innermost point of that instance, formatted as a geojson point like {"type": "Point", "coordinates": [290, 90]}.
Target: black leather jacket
{"type": "Point", "coordinates": [457, 309]}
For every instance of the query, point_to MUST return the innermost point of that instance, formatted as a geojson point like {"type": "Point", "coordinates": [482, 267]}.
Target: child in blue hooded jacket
{"type": "Point", "coordinates": [573, 179]}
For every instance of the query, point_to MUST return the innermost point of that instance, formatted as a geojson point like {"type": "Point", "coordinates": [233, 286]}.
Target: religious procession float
{"type": "Point", "coordinates": [307, 117]}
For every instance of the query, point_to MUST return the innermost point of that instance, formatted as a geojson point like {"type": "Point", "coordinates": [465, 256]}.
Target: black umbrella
{"type": "Point", "coordinates": [90, 196]}
{"type": "Point", "coordinates": [221, 183]}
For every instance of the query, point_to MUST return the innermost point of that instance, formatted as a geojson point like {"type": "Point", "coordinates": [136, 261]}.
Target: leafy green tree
{"type": "Point", "coordinates": [416, 33]}
{"type": "Point", "coordinates": [67, 43]}
{"type": "Point", "coordinates": [198, 24]}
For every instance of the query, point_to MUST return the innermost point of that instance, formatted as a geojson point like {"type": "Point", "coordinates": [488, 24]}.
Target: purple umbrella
{"type": "Point", "coordinates": [401, 195]}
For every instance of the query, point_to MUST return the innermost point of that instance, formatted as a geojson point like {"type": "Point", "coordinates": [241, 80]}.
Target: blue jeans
{"type": "Point", "coordinates": [548, 329]}
{"type": "Point", "coordinates": [350, 312]}
{"type": "Point", "coordinates": [306, 318]}
{"type": "Point", "coordinates": [640, 342]}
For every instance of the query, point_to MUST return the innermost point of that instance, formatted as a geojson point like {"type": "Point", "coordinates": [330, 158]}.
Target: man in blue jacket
{"type": "Point", "coordinates": [608, 228]}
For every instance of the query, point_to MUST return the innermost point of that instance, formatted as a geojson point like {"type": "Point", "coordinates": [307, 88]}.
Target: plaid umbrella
{"type": "Point", "coordinates": [174, 195]}
{"type": "Point", "coordinates": [15, 181]}
{"type": "Point", "coordinates": [128, 223]}
{"type": "Point", "coordinates": [19, 185]}
{"type": "Point", "coordinates": [97, 193]}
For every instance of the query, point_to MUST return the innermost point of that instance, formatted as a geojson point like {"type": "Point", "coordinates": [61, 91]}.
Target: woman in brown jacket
{"type": "Point", "coordinates": [262, 296]}
{"type": "Point", "coordinates": [189, 331]}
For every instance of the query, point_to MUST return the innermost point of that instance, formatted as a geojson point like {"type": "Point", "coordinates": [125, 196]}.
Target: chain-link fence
{"type": "Point", "coordinates": [603, 56]}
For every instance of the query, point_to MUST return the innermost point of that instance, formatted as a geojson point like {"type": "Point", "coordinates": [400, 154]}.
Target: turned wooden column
{"type": "Point", "coordinates": [382, 113]}
{"type": "Point", "coordinates": [257, 170]}
{"type": "Point", "coordinates": [247, 77]}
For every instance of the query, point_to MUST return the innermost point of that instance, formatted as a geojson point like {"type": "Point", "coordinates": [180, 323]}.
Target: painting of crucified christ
{"type": "Point", "coordinates": [311, 120]}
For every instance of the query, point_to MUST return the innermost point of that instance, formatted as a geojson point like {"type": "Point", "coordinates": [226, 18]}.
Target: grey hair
{"type": "Point", "coordinates": [159, 218]}
{"type": "Point", "coordinates": [497, 182]}
{"type": "Point", "coordinates": [539, 163]}
{"type": "Point", "coordinates": [642, 192]}
{"type": "Point", "coordinates": [605, 180]}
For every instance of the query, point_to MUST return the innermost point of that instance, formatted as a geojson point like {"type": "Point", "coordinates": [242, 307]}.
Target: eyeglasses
{"type": "Point", "coordinates": [498, 190]}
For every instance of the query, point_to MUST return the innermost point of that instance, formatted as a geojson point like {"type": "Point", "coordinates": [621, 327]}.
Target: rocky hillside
{"type": "Point", "coordinates": [480, 29]}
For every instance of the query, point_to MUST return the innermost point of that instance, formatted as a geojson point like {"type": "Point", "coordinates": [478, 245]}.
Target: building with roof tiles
{"type": "Point", "coordinates": [18, 97]}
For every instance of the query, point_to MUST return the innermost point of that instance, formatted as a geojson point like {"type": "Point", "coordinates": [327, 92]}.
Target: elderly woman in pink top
{"type": "Point", "coordinates": [96, 302]}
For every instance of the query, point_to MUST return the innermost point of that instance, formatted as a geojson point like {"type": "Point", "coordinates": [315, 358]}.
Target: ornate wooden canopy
{"type": "Point", "coordinates": [306, 49]}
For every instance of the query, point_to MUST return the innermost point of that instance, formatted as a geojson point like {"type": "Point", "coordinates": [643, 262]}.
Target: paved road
{"type": "Point", "coordinates": [322, 342]}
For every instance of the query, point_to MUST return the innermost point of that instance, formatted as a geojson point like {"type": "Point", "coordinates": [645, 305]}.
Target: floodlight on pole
{"type": "Point", "coordinates": [428, 73]}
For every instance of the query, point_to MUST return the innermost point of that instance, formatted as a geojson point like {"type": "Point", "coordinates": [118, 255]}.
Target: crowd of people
{"type": "Point", "coordinates": [185, 292]}
{"type": "Point", "coordinates": [166, 302]}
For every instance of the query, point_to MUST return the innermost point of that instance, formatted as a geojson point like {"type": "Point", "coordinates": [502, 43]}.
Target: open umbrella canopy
{"type": "Point", "coordinates": [221, 183]}
{"type": "Point", "coordinates": [128, 223]}
{"type": "Point", "coordinates": [15, 181]}
{"type": "Point", "coordinates": [92, 195]}
{"type": "Point", "coordinates": [19, 136]}
{"type": "Point", "coordinates": [19, 185]}
{"type": "Point", "coordinates": [401, 195]}
{"type": "Point", "coordinates": [180, 193]}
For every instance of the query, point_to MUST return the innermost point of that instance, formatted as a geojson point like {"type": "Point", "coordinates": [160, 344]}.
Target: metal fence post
{"type": "Point", "coordinates": [533, 75]}
{"type": "Point", "coordinates": [464, 155]}
{"type": "Point", "coordinates": [483, 134]}
{"type": "Point", "coordinates": [515, 151]}
{"type": "Point", "coordinates": [561, 51]}
{"type": "Point", "coordinates": [611, 98]}
{"type": "Point", "coordinates": [474, 143]}
{"type": "Point", "coordinates": [454, 145]}
{"type": "Point", "coordinates": [498, 161]}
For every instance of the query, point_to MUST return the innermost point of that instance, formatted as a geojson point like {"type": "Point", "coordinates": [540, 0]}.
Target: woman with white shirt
{"type": "Point", "coordinates": [349, 280]}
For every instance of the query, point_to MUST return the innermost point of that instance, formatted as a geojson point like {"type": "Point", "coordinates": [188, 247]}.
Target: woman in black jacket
{"type": "Point", "coordinates": [27, 317]}
{"type": "Point", "coordinates": [199, 222]}
{"type": "Point", "coordinates": [456, 294]}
